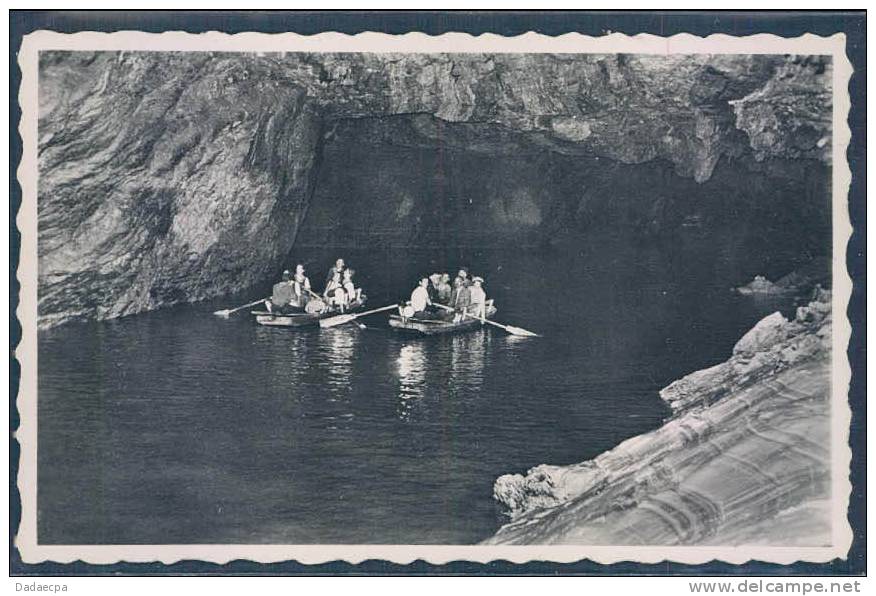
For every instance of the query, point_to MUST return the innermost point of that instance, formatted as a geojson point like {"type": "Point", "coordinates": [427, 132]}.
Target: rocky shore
{"type": "Point", "coordinates": [743, 460]}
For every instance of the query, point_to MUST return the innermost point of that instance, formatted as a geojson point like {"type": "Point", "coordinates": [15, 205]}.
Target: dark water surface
{"type": "Point", "coordinates": [180, 427]}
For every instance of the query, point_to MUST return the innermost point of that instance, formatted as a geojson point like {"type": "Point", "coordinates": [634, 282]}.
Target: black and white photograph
{"type": "Point", "coordinates": [584, 298]}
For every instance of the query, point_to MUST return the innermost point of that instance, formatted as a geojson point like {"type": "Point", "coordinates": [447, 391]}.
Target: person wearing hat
{"type": "Point", "coordinates": [281, 295]}
{"type": "Point", "coordinates": [477, 299]}
{"type": "Point", "coordinates": [300, 286]}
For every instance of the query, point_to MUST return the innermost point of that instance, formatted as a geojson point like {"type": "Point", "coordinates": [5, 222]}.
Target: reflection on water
{"type": "Point", "coordinates": [467, 355]}
{"type": "Point", "coordinates": [276, 350]}
{"type": "Point", "coordinates": [411, 377]}
{"type": "Point", "coordinates": [441, 368]}
{"type": "Point", "coordinates": [338, 349]}
{"type": "Point", "coordinates": [180, 427]}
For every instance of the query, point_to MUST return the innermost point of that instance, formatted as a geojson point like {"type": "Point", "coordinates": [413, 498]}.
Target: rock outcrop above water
{"type": "Point", "coordinates": [804, 280]}
{"type": "Point", "coordinates": [744, 460]}
{"type": "Point", "coordinates": [173, 177]}
{"type": "Point", "coordinates": [762, 286]}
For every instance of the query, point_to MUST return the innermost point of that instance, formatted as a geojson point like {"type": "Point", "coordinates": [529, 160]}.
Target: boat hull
{"type": "Point", "coordinates": [436, 326]}
{"type": "Point", "coordinates": [303, 319]}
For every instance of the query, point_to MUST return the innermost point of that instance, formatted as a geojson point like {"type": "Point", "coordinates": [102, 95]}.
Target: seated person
{"type": "Point", "coordinates": [334, 293]}
{"type": "Point", "coordinates": [338, 267]}
{"type": "Point", "coordinates": [282, 295]}
{"type": "Point", "coordinates": [420, 301]}
{"type": "Point", "coordinates": [463, 277]}
{"type": "Point", "coordinates": [354, 294]}
{"type": "Point", "coordinates": [434, 280]}
{"type": "Point", "coordinates": [444, 289]}
{"type": "Point", "coordinates": [300, 287]}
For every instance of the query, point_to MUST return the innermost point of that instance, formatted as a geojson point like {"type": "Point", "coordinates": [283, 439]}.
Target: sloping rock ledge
{"type": "Point", "coordinates": [744, 460]}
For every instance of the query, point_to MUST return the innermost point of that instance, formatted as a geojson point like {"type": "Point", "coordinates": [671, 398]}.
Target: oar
{"type": "Point", "coordinates": [228, 311]}
{"type": "Point", "coordinates": [509, 328]}
{"type": "Point", "coordinates": [346, 318]}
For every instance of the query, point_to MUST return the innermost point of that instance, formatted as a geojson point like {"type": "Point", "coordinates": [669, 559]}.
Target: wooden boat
{"type": "Point", "coordinates": [436, 326]}
{"type": "Point", "coordinates": [301, 319]}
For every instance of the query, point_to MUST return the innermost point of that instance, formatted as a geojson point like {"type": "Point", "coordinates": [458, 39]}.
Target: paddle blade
{"type": "Point", "coordinates": [521, 332]}
{"type": "Point", "coordinates": [222, 313]}
{"type": "Point", "coordinates": [335, 321]}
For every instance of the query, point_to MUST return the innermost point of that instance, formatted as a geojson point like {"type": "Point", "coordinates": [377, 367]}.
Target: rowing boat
{"type": "Point", "coordinates": [436, 326]}
{"type": "Point", "coordinates": [301, 319]}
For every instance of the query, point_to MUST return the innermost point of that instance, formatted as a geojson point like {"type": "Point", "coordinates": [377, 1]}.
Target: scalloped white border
{"type": "Point", "coordinates": [26, 353]}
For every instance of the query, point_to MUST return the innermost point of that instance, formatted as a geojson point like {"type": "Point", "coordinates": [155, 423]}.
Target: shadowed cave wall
{"type": "Point", "coordinates": [176, 177]}
{"type": "Point", "coordinates": [382, 185]}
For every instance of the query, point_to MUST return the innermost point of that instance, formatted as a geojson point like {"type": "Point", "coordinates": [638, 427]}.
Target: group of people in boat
{"type": "Point", "coordinates": [462, 299]}
{"type": "Point", "coordinates": [465, 296]}
{"type": "Point", "coordinates": [293, 293]}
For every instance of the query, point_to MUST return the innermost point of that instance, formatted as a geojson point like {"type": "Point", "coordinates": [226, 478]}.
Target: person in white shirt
{"type": "Point", "coordinates": [477, 299]}
{"type": "Point", "coordinates": [420, 298]}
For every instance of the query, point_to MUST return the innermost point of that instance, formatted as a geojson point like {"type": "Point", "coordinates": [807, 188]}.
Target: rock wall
{"type": "Point", "coordinates": [388, 181]}
{"type": "Point", "coordinates": [161, 181]}
{"type": "Point", "coordinates": [176, 177]}
{"type": "Point", "coordinates": [744, 460]}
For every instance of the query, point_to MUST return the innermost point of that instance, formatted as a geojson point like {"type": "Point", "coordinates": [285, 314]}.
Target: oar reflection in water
{"type": "Point", "coordinates": [411, 376]}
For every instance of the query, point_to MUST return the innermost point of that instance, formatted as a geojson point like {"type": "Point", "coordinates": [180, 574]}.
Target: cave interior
{"type": "Point", "coordinates": [383, 183]}
{"type": "Point", "coordinates": [180, 177]}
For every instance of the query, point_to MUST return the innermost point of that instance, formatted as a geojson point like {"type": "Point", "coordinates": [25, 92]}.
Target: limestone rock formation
{"type": "Point", "coordinates": [787, 116]}
{"type": "Point", "coordinates": [745, 459]}
{"type": "Point", "coordinates": [173, 177]}
{"type": "Point", "coordinates": [162, 181]}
